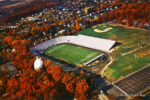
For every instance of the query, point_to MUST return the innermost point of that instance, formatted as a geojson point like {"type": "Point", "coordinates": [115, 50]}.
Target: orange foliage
{"type": "Point", "coordinates": [77, 26]}
{"type": "Point", "coordinates": [47, 63]}
{"type": "Point", "coordinates": [29, 85]}
{"type": "Point", "coordinates": [69, 81]}
{"type": "Point", "coordinates": [82, 72]}
{"type": "Point", "coordinates": [70, 86]}
{"type": "Point", "coordinates": [36, 85]}
{"type": "Point", "coordinates": [61, 23]}
{"type": "Point", "coordinates": [8, 40]}
{"type": "Point", "coordinates": [56, 72]}
{"type": "Point", "coordinates": [15, 43]}
{"type": "Point", "coordinates": [66, 78]}
{"type": "Point", "coordinates": [81, 90]}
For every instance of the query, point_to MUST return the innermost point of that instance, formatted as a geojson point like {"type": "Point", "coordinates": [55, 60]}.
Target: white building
{"type": "Point", "coordinates": [38, 64]}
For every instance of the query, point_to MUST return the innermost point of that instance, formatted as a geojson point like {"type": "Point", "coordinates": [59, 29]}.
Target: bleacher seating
{"type": "Point", "coordinates": [81, 40]}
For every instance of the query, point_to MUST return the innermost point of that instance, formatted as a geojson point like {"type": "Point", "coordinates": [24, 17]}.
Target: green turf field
{"type": "Point", "coordinates": [130, 39]}
{"type": "Point", "coordinates": [72, 54]}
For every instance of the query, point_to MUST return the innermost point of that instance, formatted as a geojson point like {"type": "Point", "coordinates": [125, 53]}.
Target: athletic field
{"type": "Point", "coordinates": [72, 54]}
{"type": "Point", "coordinates": [131, 55]}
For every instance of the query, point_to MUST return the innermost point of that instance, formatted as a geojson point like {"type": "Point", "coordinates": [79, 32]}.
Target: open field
{"type": "Point", "coordinates": [72, 54]}
{"type": "Point", "coordinates": [132, 54]}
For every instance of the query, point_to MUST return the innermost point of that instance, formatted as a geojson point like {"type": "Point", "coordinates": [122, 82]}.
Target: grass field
{"type": "Point", "coordinates": [130, 39]}
{"type": "Point", "coordinates": [72, 54]}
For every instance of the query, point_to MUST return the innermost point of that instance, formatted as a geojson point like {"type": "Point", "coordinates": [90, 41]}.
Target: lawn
{"type": "Point", "coordinates": [71, 54]}
{"type": "Point", "coordinates": [126, 65]}
{"type": "Point", "coordinates": [130, 39]}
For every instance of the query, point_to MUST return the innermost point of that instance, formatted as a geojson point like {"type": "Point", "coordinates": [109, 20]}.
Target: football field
{"type": "Point", "coordinates": [72, 54]}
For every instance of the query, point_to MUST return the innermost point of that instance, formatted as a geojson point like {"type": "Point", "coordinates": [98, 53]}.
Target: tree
{"type": "Point", "coordinates": [77, 26]}
{"type": "Point", "coordinates": [56, 72]}
{"type": "Point", "coordinates": [47, 63]}
{"type": "Point", "coordinates": [69, 81]}
{"type": "Point", "coordinates": [81, 90]}
{"type": "Point", "coordinates": [8, 40]}
{"type": "Point", "coordinates": [3, 82]}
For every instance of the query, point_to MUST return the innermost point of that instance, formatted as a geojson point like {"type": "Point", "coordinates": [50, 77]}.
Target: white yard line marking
{"type": "Point", "coordinates": [86, 57]}
{"type": "Point", "coordinates": [58, 47]}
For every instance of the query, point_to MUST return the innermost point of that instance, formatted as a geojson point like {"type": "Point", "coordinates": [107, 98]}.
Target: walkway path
{"type": "Point", "coordinates": [103, 70]}
{"type": "Point", "coordinates": [126, 53]}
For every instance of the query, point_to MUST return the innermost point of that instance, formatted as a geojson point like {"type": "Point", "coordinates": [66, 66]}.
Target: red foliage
{"type": "Point", "coordinates": [69, 81]}
{"type": "Point", "coordinates": [138, 12]}
{"type": "Point", "coordinates": [82, 72]}
{"type": "Point", "coordinates": [47, 63]}
{"type": "Point", "coordinates": [56, 72]}
{"type": "Point", "coordinates": [41, 85]}
{"type": "Point", "coordinates": [81, 89]}
{"type": "Point", "coordinates": [30, 85]}
{"type": "Point", "coordinates": [8, 40]}
{"type": "Point", "coordinates": [70, 86]}
{"type": "Point", "coordinates": [77, 26]}
{"type": "Point", "coordinates": [66, 78]}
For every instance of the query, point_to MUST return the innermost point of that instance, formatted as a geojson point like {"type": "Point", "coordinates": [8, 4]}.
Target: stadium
{"type": "Point", "coordinates": [111, 41]}
{"type": "Point", "coordinates": [76, 50]}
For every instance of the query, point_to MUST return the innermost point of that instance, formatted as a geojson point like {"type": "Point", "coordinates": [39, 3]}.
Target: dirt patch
{"type": "Point", "coordinates": [143, 54]}
{"type": "Point", "coordinates": [101, 31]}
{"type": "Point", "coordinates": [97, 25]}
{"type": "Point", "coordinates": [127, 68]}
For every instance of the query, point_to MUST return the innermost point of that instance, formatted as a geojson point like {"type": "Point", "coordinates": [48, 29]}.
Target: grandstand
{"type": "Point", "coordinates": [94, 43]}
{"type": "Point", "coordinates": [135, 83]}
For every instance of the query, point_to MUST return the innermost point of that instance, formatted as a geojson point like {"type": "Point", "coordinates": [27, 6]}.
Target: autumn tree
{"type": "Point", "coordinates": [81, 90]}
{"type": "Point", "coordinates": [56, 72]}
{"type": "Point", "coordinates": [3, 82]}
{"type": "Point", "coordinates": [77, 26]}
{"type": "Point", "coordinates": [8, 40]}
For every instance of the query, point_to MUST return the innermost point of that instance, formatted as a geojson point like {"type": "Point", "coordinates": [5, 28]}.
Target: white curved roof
{"type": "Point", "coordinates": [81, 40]}
{"type": "Point", "coordinates": [38, 64]}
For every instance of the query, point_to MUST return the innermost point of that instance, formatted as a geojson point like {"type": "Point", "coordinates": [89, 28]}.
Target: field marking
{"type": "Point", "coordinates": [58, 47]}
{"type": "Point", "coordinates": [90, 55]}
{"type": "Point", "coordinates": [86, 57]}
{"type": "Point", "coordinates": [93, 59]}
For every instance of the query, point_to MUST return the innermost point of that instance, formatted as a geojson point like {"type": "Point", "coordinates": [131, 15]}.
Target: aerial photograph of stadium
{"type": "Point", "coordinates": [74, 49]}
